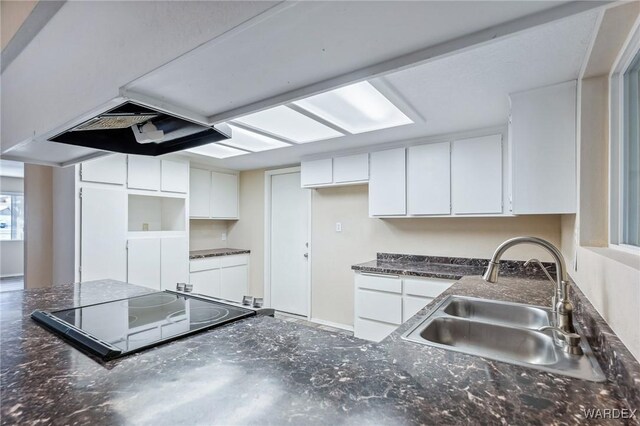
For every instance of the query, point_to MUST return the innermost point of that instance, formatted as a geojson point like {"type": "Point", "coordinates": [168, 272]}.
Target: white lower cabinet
{"type": "Point", "coordinates": [383, 302]}
{"type": "Point", "coordinates": [225, 277]}
{"type": "Point", "coordinates": [206, 282]}
{"type": "Point", "coordinates": [174, 266]}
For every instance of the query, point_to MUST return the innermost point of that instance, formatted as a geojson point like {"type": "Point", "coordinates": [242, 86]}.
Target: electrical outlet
{"type": "Point", "coordinates": [223, 237]}
{"type": "Point", "coordinates": [338, 227]}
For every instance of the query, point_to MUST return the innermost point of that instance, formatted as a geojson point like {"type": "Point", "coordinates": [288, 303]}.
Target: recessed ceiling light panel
{"type": "Point", "coordinates": [289, 124]}
{"type": "Point", "coordinates": [252, 141]}
{"type": "Point", "coordinates": [357, 108]}
{"type": "Point", "coordinates": [216, 151]}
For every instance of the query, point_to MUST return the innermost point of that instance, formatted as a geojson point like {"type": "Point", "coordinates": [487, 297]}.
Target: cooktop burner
{"type": "Point", "coordinates": [117, 328]}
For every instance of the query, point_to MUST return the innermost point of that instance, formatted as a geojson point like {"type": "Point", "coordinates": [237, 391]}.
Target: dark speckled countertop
{"type": "Point", "coordinates": [264, 370]}
{"type": "Point", "coordinates": [201, 254]}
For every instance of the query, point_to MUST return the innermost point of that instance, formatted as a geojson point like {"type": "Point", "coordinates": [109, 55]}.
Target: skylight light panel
{"type": "Point", "coordinates": [357, 108]}
{"type": "Point", "coordinates": [216, 151]}
{"type": "Point", "coordinates": [289, 124]}
{"type": "Point", "coordinates": [252, 141]}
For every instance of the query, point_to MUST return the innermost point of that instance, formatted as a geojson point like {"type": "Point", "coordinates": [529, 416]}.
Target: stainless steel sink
{"type": "Point", "coordinates": [498, 312]}
{"type": "Point", "coordinates": [504, 332]}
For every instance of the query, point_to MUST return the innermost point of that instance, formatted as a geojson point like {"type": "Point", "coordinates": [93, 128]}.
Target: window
{"type": "Point", "coordinates": [625, 148]}
{"type": "Point", "coordinates": [11, 217]}
{"type": "Point", "coordinates": [630, 179]}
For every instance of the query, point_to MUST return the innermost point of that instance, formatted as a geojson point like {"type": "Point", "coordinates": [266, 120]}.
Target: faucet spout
{"type": "Point", "coordinates": [560, 302]}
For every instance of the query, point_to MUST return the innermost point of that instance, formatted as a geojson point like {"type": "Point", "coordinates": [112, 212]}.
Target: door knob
{"type": "Point", "coordinates": [306, 255]}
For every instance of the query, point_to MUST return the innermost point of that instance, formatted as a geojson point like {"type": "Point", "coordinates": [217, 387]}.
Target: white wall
{"type": "Point", "coordinates": [609, 278]}
{"type": "Point", "coordinates": [11, 252]}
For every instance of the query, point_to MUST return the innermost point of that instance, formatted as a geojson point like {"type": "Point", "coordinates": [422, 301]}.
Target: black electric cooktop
{"type": "Point", "coordinates": [120, 327]}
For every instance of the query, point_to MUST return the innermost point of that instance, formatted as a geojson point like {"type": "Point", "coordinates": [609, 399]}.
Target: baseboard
{"type": "Point", "coordinates": [332, 324]}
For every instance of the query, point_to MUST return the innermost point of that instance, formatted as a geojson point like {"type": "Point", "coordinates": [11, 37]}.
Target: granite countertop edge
{"type": "Point", "coordinates": [203, 254]}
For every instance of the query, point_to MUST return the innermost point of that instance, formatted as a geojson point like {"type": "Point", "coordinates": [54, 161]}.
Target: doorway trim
{"type": "Point", "coordinates": [267, 236]}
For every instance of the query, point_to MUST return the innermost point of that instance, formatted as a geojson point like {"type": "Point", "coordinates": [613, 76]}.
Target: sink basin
{"type": "Point", "coordinates": [490, 340]}
{"type": "Point", "coordinates": [505, 332]}
{"type": "Point", "coordinates": [498, 312]}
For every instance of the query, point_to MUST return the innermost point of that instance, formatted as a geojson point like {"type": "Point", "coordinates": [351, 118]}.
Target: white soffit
{"type": "Point", "coordinates": [11, 169]}
{"type": "Point", "coordinates": [304, 43]}
{"type": "Point", "coordinates": [461, 92]}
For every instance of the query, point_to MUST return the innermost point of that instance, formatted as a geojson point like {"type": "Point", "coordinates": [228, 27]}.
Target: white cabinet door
{"type": "Point", "coordinates": [103, 252]}
{"type": "Point", "coordinates": [428, 179]}
{"type": "Point", "coordinates": [143, 262]}
{"type": "Point", "coordinates": [109, 169]}
{"type": "Point", "coordinates": [351, 168]}
{"type": "Point", "coordinates": [317, 172]}
{"type": "Point", "coordinates": [476, 175]}
{"type": "Point", "coordinates": [372, 330]}
{"type": "Point", "coordinates": [175, 176]}
{"type": "Point", "coordinates": [543, 150]}
{"type": "Point", "coordinates": [387, 190]}
{"type": "Point", "coordinates": [199, 193]}
{"type": "Point", "coordinates": [206, 282]}
{"type": "Point", "coordinates": [224, 195]}
{"type": "Point", "coordinates": [234, 282]}
{"type": "Point", "coordinates": [174, 262]}
{"type": "Point", "coordinates": [411, 305]}
{"type": "Point", "coordinates": [143, 172]}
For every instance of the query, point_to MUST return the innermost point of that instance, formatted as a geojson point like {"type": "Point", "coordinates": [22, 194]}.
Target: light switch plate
{"type": "Point", "coordinates": [223, 237]}
{"type": "Point", "coordinates": [338, 227]}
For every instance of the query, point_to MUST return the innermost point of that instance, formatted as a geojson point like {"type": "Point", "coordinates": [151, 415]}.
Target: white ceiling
{"type": "Point", "coordinates": [460, 92]}
{"type": "Point", "coordinates": [11, 169]}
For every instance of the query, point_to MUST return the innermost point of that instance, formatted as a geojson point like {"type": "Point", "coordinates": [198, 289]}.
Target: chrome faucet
{"type": "Point", "coordinates": [560, 304]}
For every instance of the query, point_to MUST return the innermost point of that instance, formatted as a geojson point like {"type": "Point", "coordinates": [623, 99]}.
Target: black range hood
{"type": "Point", "coordinates": [134, 129]}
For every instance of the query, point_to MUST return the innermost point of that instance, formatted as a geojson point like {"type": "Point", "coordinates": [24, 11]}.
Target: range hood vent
{"type": "Point", "coordinates": [134, 129]}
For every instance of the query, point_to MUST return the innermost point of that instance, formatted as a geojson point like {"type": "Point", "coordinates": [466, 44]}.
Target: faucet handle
{"type": "Point", "coordinates": [534, 260]}
{"type": "Point", "coordinates": [572, 339]}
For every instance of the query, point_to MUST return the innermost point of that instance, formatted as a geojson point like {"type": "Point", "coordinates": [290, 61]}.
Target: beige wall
{"type": "Point", "coordinates": [608, 277]}
{"type": "Point", "coordinates": [38, 235]}
{"type": "Point", "coordinates": [12, 15]}
{"type": "Point", "coordinates": [207, 234]}
{"type": "Point", "coordinates": [248, 232]}
{"type": "Point", "coordinates": [361, 238]}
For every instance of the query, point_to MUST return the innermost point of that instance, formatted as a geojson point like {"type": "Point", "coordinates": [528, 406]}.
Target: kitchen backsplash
{"type": "Point", "coordinates": [207, 234]}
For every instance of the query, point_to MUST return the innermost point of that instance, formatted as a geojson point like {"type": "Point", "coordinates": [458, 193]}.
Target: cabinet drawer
{"type": "Point", "coordinates": [430, 287]}
{"type": "Point", "coordinates": [235, 260]}
{"type": "Point", "coordinates": [372, 330]}
{"type": "Point", "coordinates": [380, 283]}
{"type": "Point", "coordinates": [204, 264]}
{"type": "Point", "coordinates": [379, 306]}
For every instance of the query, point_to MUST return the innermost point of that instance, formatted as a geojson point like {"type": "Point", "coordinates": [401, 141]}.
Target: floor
{"type": "Point", "coordinates": [11, 283]}
{"type": "Point", "coordinates": [303, 321]}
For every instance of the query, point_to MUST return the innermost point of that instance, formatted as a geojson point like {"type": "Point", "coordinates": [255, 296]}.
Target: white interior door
{"type": "Point", "coordinates": [289, 244]}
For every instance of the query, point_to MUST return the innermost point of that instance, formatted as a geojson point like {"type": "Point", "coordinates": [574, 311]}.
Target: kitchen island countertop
{"type": "Point", "coordinates": [264, 370]}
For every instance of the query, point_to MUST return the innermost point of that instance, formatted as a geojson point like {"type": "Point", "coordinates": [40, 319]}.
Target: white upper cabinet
{"type": "Point", "coordinates": [428, 179]}
{"type": "Point", "coordinates": [199, 193]}
{"type": "Point", "coordinates": [387, 180]}
{"type": "Point", "coordinates": [317, 172]}
{"type": "Point", "coordinates": [109, 169]}
{"type": "Point", "coordinates": [175, 176]}
{"type": "Point", "coordinates": [224, 195]}
{"type": "Point", "coordinates": [143, 172]}
{"type": "Point", "coordinates": [476, 175]}
{"type": "Point", "coordinates": [543, 150]}
{"type": "Point", "coordinates": [351, 168]}
{"type": "Point", "coordinates": [213, 195]}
